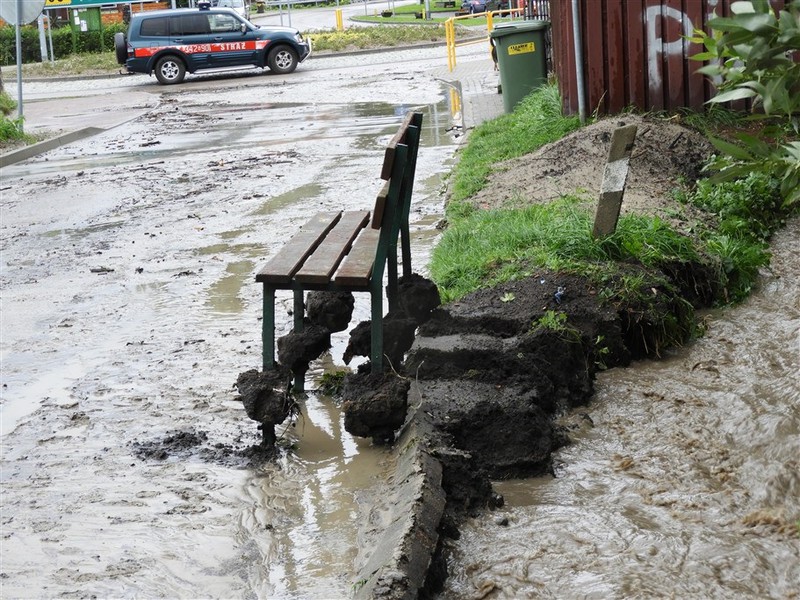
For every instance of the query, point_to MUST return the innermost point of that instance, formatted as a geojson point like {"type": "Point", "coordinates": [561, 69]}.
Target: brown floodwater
{"type": "Point", "coordinates": [686, 486]}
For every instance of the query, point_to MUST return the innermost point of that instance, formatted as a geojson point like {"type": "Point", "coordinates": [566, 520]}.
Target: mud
{"type": "Point", "coordinates": [129, 300]}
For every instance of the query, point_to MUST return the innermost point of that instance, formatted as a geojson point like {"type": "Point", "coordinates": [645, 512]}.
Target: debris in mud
{"type": "Point", "coordinates": [267, 399]}
{"type": "Point", "coordinates": [417, 297]}
{"type": "Point", "coordinates": [331, 310]}
{"type": "Point", "coordinates": [297, 349]}
{"type": "Point", "coordinates": [375, 405]}
{"type": "Point", "coordinates": [177, 443]}
{"type": "Point", "coordinates": [183, 445]}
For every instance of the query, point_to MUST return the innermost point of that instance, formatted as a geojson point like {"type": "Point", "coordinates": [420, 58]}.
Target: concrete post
{"type": "Point", "coordinates": [613, 186]}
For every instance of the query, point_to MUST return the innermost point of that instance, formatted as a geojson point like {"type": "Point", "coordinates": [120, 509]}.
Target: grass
{"type": "Point", "coordinates": [487, 248]}
{"type": "Point", "coordinates": [95, 63]}
{"type": "Point", "coordinates": [536, 121]}
{"type": "Point", "coordinates": [380, 36]}
{"type": "Point", "coordinates": [645, 270]}
{"type": "Point", "coordinates": [11, 130]}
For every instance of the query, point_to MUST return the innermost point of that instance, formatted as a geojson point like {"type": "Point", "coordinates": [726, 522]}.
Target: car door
{"type": "Point", "coordinates": [191, 35]}
{"type": "Point", "coordinates": [231, 47]}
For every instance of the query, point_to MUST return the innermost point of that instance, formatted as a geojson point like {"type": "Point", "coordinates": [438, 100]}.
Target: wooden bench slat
{"type": "Point", "coordinates": [357, 266]}
{"type": "Point", "coordinates": [320, 266]}
{"type": "Point", "coordinates": [282, 267]}
{"type": "Point", "coordinates": [397, 138]}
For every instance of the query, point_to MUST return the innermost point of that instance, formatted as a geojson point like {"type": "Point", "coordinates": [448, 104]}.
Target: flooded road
{"type": "Point", "coordinates": [129, 308]}
{"type": "Point", "coordinates": [686, 486]}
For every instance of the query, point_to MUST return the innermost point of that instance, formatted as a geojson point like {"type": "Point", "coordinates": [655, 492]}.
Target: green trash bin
{"type": "Point", "coordinates": [521, 58]}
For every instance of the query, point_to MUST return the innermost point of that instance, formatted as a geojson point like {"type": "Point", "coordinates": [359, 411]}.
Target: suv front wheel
{"type": "Point", "coordinates": [169, 70]}
{"type": "Point", "coordinates": [282, 60]}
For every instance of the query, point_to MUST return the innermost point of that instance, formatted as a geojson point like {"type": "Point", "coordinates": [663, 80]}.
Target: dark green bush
{"type": "Point", "coordinates": [65, 42]}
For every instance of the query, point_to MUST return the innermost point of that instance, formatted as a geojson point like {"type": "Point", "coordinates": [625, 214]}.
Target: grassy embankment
{"type": "Point", "coordinates": [483, 248]}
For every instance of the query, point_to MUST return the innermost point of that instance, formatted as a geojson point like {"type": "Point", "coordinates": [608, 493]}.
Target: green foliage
{"type": "Point", "coordinates": [66, 41]}
{"type": "Point", "coordinates": [740, 260]}
{"type": "Point", "coordinates": [11, 129]}
{"type": "Point", "coordinates": [536, 121]}
{"type": "Point", "coordinates": [556, 322]}
{"type": "Point", "coordinates": [749, 211]}
{"type": "Point", "coordinates": [751, 56]}
{"type": "Point", "coordinates": [7, 104]}
{"type": "Point", "coordinates": [332, 383]}
{"type": "Point", "coordinates": [749, 207]}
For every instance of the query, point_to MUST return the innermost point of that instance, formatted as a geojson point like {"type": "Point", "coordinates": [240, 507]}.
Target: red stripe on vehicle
{"type": "Point", "coordinates": [204, 48]}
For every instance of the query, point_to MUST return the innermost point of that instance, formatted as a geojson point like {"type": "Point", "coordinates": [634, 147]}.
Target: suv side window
{"type": "Point", "coordinates": [156, 27]}
{"type": "Point", "coordinates": [223, 23]}
{"type": "Point", "coordinates": [191, 25]}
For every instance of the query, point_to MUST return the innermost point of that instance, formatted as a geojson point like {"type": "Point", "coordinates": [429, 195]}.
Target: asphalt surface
{"type": "Point", "coordinates": [66, 109]}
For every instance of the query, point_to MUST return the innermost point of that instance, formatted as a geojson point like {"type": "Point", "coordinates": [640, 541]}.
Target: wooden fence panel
{"type": "Point", "coordinates": [635, 53]}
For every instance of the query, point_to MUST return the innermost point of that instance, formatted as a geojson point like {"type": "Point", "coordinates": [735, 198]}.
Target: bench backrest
{"type": "Point", "coordinates": [393, 203]}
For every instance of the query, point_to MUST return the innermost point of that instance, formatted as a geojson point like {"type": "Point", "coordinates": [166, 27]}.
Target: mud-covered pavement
{"type": "Point", "coordinates": [129, 307]}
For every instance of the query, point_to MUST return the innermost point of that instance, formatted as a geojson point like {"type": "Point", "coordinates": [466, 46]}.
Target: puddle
{"type": "Point", "coordinates": [281, 201]}
{"type": "Point", "coordinates": [224, 296]}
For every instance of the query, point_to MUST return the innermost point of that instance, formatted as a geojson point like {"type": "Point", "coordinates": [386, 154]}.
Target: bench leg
{"type": "Point", "coordinates": [299, 310]}
{"type": "Point", "coordinates": [299, 315]}
{"type": "Point", "coordinates": [376, 341]}
{"type": "Point", "coordinates": [406, 247]}
{"type": "Point", "coordinates": [391, 286]}
{"type": "Point", "coordinates": [268, 328]}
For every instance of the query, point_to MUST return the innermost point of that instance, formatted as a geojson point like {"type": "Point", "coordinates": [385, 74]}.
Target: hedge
{"type": "Point", "coordinates": [65, 42]}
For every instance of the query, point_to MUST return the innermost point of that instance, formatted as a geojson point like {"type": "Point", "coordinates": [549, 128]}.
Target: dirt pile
{"type": "Point", "coordinates": [665, 155]}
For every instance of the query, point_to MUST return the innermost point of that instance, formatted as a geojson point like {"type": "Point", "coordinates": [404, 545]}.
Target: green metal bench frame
{"type": "Point", "coordinates": [349, 251]}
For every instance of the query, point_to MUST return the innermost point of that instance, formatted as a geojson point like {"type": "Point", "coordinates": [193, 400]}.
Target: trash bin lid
{"type": "Point", "coordinates": [512, 28]}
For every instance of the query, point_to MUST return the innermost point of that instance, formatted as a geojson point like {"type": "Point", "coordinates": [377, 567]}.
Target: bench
{"type": "Point", "coordinates": [349, 250]}
{"type": "Point", "coordinates": [445, 3]}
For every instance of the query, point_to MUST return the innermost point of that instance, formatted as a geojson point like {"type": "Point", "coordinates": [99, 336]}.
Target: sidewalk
{"type": "Point", "coordinates": [478, 83]}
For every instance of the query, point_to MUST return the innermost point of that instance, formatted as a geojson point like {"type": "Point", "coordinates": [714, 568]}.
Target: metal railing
{"type": "Point", "coordinates": [530, 10]}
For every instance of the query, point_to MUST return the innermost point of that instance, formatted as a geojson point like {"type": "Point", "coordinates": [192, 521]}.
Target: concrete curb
{"type": "Point", "coordinates": [398, 566]}
{"type": "Point", "coordinates": [27, 152]}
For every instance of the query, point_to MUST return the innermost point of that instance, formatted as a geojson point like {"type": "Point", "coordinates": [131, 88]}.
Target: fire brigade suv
{"type": "Point", "coordinates": [171, 43]}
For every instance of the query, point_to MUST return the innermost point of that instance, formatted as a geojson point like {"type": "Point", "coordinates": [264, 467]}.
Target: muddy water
{"type": "Point", "coordinates": [686, 486]}
{"type": "Point", "coordinates": [129, 308]}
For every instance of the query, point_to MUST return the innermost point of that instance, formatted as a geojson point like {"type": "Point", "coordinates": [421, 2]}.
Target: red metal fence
{"type": "Point", "coordinates": [634, 53]}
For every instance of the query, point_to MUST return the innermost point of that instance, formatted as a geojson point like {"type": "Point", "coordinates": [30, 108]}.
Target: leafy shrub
{"type": "Point", "coordinates": [752, 55]}
{"type": "Point", "coordinates": [66, 41]}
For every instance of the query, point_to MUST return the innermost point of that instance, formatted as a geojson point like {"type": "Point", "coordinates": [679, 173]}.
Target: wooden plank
{"type": "Point", "coordinates": [397, 138]}
{"type": "Point", "coordinates": [674, 55]}
{"type": "Point", "coordinates": [593, 28]}
{"type": "Point", "coordinates": [282, 267]}
{"type": "Point", "coordinates": [616, 61]}
{"type": "Point", "coordinates": [695, 81]}
{"type": "Point", "coordinates": [320, 266]}
{"type": "Point", "coordinates": [380, 206]}
{"type": "Point", "coordinates": [357, 266]}
{"type": "Point", "coordinates": [636, 53]}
